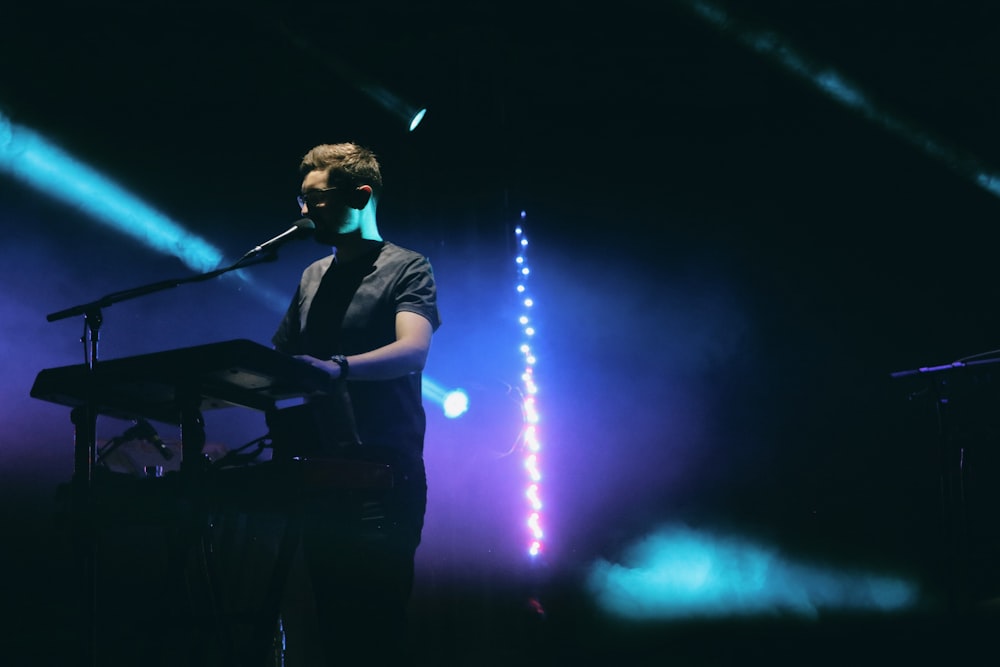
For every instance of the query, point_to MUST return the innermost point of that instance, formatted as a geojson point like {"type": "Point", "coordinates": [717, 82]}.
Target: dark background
{"type": "Point", "coordinates": [728, 262]}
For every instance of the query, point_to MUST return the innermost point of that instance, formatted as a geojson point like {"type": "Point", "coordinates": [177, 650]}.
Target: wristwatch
{"type": "Point", "coordinates": [341, 361]}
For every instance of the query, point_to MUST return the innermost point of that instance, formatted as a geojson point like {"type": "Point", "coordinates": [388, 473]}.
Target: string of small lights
{"type": "Point", "coordinates": [531, 444]}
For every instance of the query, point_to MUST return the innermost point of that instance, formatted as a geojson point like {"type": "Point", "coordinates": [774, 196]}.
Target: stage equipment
{"type": "Point", "coordinates": [159, 390]}
{"type": "Point", "coordinates": [176, 386]}
{"type": "Point", "coordinates": [961, 400]}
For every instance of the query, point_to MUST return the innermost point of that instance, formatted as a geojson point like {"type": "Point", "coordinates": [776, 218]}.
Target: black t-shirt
{"type": "Point", "coordinates": [349, 308]}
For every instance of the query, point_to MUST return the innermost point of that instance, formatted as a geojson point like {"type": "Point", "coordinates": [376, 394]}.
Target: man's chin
{"type": "Point", "coordinates": [327, 237]}
{"type": "Point", "coordinates": [337, 238]}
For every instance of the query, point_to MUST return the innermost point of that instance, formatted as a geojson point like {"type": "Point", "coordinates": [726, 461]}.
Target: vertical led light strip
{"type": "Point", "coordinates": [531, 445]}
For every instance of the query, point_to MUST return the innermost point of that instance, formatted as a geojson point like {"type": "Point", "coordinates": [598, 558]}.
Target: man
{"type": "Point", "coordinates": [365, 314]}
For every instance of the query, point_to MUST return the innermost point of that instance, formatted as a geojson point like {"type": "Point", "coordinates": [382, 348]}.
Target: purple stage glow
{"type": "Point", "coordinates": [666, 393]}
{"type": "Point", "coordinates": [477, 467]}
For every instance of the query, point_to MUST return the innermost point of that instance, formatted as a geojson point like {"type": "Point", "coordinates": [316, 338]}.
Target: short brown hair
{"type": "Point", "coordinates": [345, 162]}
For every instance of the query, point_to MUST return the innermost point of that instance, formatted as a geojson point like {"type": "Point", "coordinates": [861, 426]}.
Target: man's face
{"type": "Point", "coordinates": [326, 205]}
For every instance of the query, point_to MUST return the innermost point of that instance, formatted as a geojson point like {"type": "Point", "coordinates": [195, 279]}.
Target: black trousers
{"type": "Point", "coordinates": [358, 549]}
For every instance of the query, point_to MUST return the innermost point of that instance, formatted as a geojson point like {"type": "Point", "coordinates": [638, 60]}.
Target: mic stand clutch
{"type": "Point", "coordinates": [84, 420]}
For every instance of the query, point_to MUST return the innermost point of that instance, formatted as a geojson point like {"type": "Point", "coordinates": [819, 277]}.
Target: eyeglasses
{"type": "Point", "coordinates": [313, 196]}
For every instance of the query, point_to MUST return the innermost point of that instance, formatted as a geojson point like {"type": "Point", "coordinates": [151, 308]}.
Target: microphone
{"type": "Point", "coordinates": [301, 228]}
{"type": "Point", "coordinates": [143, 430]}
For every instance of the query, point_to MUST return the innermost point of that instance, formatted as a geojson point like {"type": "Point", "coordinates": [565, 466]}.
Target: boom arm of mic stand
{"type": "Point", "coordinates": [135, 292]}
{"type": "Point", "coordinates": [86, 445]}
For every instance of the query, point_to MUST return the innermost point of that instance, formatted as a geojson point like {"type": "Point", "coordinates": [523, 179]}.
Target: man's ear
{"type": "Point", "coordinates": [361, 196]}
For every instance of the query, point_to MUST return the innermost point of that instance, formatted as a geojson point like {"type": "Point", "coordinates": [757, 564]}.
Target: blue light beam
{"type": "Point", "coordinates": [778, 49]}
{"type": "Point", "coordinates": [30, 158]}
{"type": "Point", "coordinates": [454, 402]}
{"type": "Point", "coordinates": [678, 573]}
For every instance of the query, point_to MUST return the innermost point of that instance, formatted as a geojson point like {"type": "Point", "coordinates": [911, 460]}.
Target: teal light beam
{"type": "Point", "coordinates": [778, 49]}
{"type": "Point", "coordinates": [40, 164]}
{"type": "Point", "coordinates": [30, 158]}
{"type": "Point", "coordinates": [33, 160]}
{"type": "Point", "coordinates": [679, 573]}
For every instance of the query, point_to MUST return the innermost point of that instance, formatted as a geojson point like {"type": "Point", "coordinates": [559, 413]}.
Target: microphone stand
{"type": "Point", "coordinates": [84, 420]}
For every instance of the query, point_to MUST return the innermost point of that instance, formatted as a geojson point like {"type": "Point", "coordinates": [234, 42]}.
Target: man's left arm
{"type": "Point", "coordinates": [407, 354]}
